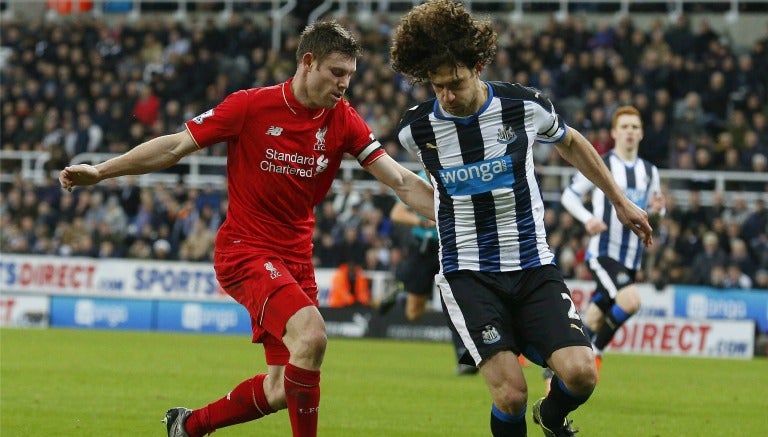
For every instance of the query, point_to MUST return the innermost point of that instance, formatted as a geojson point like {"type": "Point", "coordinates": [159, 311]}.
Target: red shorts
{"type": "Point", "coordinates": [272, 292]}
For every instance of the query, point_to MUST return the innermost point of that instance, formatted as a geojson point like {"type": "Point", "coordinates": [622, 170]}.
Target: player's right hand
{"type": "Point", "coordinates": [78, 175]}
{"type": "Point", "coordinates": [595, 226]}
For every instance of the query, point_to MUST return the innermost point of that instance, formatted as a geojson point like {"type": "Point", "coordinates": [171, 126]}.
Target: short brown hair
{"type": "Point", "coordinates": [439, 33]}
{"type": "Point", "coordinates": [325, 37]}
{"type": "Point", "coordinates": [625, 110]}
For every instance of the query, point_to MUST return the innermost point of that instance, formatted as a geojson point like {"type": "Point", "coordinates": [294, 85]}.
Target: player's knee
{"type": "Point", "coordinates": [628, 300]}
{"type": "Point", "coordinates": [313, 342]}
{"type": "Point", "coordinates": [631, 307]}
{"type": "Point", "coordinates": [307, 346]}
{"type": "Point", "coordinates": [512, 400]}
{"type": "Point", "coordinates": [579, 375]}
{"type": "Point", "coordinates": [413, 313]}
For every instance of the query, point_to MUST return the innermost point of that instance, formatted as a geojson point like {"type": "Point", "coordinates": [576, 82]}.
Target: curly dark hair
{"type": "Point", "coordinates": [439, 33]}
{"type": "Point", "coordinates": [325, 37]}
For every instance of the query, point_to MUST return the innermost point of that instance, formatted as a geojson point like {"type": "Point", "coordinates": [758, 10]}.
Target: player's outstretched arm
{"type": "Point", "coordinates": [155, 154]}
{"type": "Point", "coordinates": [582, 155]}
{"type": "Point", "coordinates": [409, 187]}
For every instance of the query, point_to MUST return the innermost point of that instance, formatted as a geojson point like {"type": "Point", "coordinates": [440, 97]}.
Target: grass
{"type": "Point", "coordinates": [86, 383]}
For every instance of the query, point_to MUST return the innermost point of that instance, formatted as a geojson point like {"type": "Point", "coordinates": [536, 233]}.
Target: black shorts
{"type": "Point", "coordinates": [420, 267]}
{"type": "Point", "coordinates": [610, 276]}
{"type": "Point", "coordinates": [528, 312]}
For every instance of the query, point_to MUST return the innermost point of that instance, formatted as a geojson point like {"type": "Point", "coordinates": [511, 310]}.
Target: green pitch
{"type": "Point", "coordinates": [85, 383]}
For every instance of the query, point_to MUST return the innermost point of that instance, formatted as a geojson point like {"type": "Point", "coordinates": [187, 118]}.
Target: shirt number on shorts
{"type": "Point", "coordinates": [572, 313]}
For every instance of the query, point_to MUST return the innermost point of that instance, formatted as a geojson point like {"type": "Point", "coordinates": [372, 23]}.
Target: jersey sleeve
{"type": "Point", "coordinates": [572, 197]}
{"type": "Point", "coordinates": [364, 145]}
{"type": "Point", "coordinates": [656, 188]}
{"type": "Point", "coordinates": [550, 127]}
{"type": "Point", "coordinates": [222, 123]}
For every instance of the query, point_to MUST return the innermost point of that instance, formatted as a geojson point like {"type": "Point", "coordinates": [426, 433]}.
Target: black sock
{"type": "Point", "coordinates": [613, 321]}
{"type": "Point", "coordinates": [508, 425]}
{"type": "Point", "coordinates": [558, 403]}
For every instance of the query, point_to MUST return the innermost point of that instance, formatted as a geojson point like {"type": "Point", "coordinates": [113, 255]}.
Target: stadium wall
{"type": "Point", "coordinates": [86, 293]}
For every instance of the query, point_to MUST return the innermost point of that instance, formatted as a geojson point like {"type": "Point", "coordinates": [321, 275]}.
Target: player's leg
{"type": "Point", "coordinates": [627, 304]}
{"type": "Point", "coordinates": [306, 340]}
{"type": "Point", "coordinates": [616, 297]}
{"type": "Point", "coordinates": [273, 299]}
{"type": "Point", "coordinates": [415, 306]}
{"type": "Point", "coordinates": [506, 383]}
{"type": "Point", "coordinates": [594, 317]}
{"type": "Point", "coordinates": [287, 380]}
{"type": "Point", "coordinates": [552, 329]}
{"type": "Point", "coordinates": [252, 399]}
{"type": "Point", "coordinates": [594, 320]}
{"type": "Point", "coordinates": [574, 379]}
{"type": "Point", "coordinates": [481, 320]}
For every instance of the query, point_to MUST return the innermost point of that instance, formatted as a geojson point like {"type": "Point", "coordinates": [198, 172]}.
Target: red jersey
{"type": "Point", "coordinates": [281, 160]}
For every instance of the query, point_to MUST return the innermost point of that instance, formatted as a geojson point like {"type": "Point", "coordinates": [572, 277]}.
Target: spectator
{"type": "Point", "coordinates": [761, 279]}
{"type": "Point", "coordinates": [705, 261]}
{"type": "Point", "coordinates": [147, 106]}
{"type": "Point", "coordinates": [735, 278]}
{"type": "Point", "coordinates": [740, 257]}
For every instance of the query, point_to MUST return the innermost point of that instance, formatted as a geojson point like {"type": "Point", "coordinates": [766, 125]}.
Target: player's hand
{"type": "Point", "coordinates": [633, 217]}
{"type": "Point", "coordinates": [427, 223]}
{"type": "Point", "coordinates": [78, 175]}
{"type": "Point", "coordinates": [595, 226]}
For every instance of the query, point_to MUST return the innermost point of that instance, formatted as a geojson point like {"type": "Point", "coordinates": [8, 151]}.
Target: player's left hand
{"type": "Point", "coordinates": [80, 174]}
{"type": "Point", "coordinates": [633, 217]}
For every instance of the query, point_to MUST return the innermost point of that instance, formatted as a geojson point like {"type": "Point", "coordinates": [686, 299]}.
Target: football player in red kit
{"type": "Point", "coordinates": [285, 144]}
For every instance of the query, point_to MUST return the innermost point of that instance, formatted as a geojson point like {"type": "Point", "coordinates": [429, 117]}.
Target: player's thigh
{"type": "Point", "coordinates": [273, 292]}
{"type": "Point", "coordinates": [574, 364]}
{"type": "Point", "coordinates": [477, 314]}
{"type": "Point", "coordinates": [502, 372]}
{"type": "Point", "coordinates": [547, 319]}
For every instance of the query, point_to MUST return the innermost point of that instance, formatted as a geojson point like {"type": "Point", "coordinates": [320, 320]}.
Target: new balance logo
{"type": "Point", "coordinates": [275, 131]}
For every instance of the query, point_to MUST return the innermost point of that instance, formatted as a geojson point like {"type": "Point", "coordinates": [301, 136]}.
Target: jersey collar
{"type": "Point", "coordinates": [441, 114]}
{"type": "Point", "coordinates": [293, 103]}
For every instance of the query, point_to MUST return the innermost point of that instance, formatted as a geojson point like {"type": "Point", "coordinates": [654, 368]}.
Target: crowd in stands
{"type": "Point", "coordinates": [107, 84]}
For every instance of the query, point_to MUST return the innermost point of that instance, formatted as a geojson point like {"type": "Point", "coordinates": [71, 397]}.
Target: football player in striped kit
{"type": "Point", "coordinates": [501, 290]}
{"type": "Point", "coordinates": [614, 253]}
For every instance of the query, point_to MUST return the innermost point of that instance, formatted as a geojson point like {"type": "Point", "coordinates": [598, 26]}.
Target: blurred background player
{"type": "Point", "coordinates": [614, 253]}
{"type": "Point", "coordinates": [416, 274]}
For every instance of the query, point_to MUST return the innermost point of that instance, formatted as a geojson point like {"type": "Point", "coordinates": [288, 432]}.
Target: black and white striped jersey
{"type": "Point", "coordinates": [640, 181]}
{"type": "Point", "coordinates": [487, 201]}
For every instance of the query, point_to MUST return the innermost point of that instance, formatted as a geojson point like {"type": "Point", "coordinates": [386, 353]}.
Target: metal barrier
{"type": "Point", "coordinates": [199, 171]}
{"type": "Point", "coordinates": [29, 166]}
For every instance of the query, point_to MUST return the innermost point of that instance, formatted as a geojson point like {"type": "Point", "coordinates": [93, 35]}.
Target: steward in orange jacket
{"type": "Point", "coordinates": [349, 286]}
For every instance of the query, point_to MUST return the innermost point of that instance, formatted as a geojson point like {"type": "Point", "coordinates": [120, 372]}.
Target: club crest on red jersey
{"type": "Point", "coordinates": [320, 137]}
